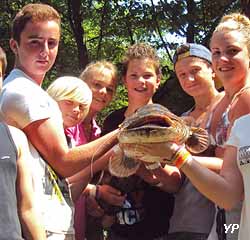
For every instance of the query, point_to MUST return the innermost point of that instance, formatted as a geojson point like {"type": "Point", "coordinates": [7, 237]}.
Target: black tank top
{"type": "Point", "coordinates": [9, 222]}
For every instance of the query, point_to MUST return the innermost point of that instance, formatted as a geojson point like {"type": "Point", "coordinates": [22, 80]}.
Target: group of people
{"type": "Point", "coordinates": [53, 148]}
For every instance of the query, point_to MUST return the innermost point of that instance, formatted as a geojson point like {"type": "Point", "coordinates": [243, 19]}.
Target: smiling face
{"type": "Point", "coordinates": [141, 80]}
{"type": "Point", "coordinates": [230, 58]}
{"type": "Point", "coordinates": [38, 47]}
{"type": "Point", "coordinates": [72, 112]}
{"type": "Point", "coordinates": [102, 84]}
{"type": "Point", "coordinates": [195, 76]}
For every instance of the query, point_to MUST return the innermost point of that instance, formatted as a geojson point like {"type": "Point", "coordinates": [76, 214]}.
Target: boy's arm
{"type": "Point", "coordinates": [30, 222]}
{"type": "Point", "coordinates": [225, 189]}
{"type": "Point", "coordinates": [212, 163]}
{"type": "Point", "coordinates": [80, 180]}
{"type": "Point", "coordinates": [48, 137]}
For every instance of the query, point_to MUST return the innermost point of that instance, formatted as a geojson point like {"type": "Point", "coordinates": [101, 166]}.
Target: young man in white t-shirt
{"type": "Point", "coordinates": [25, 105]}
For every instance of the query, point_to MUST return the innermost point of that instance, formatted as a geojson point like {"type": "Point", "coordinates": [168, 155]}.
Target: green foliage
{"type": "Point", "coordinates": [109, 27]}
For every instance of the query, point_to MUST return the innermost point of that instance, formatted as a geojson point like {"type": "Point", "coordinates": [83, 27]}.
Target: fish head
{"type": "Point", "coordinates": [153, 123]}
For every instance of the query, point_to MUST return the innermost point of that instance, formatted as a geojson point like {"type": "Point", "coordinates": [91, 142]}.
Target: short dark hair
{"type": "Point", "coordinates": [32, 12]}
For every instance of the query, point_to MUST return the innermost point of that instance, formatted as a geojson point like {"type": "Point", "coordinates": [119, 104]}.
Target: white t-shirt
{"type": "Point", "coordinates": [240, 138]}
{"type": "Point", "coordinates": [22, 102]}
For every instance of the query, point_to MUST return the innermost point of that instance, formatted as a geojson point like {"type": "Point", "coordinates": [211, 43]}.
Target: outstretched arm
{"type": "Point", "coordinates": [212, 163]}
{"type": "Point", "coordinates": [48, 138]}
{"type": "Point", "coordinates": [80, 180]}
{"type": "Point", "coordinates": [27, 209]}
{"type": "Point", "coordinates": [225, 189]}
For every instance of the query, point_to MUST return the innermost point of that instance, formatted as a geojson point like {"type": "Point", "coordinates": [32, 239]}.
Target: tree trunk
{"type": "Point", "coordinates": [102, 24]}
{"type": "Point", "coordinates": [75, 18]}
{"type": "Point", "coordinates": [190, 28]}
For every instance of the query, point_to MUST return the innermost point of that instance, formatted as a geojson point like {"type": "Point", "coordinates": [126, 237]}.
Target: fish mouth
{"type": "Point", "coordinates": [155, 124]}
{"type": "Point", "coordinates": [157, 121]}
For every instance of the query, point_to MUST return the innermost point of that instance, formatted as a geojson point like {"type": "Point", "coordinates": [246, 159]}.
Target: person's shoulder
{"type": "Point", "coordinates": [116, 115]}
{"type": "Point", "coordinates": [113, 120]}
{"type": "Point", "coordinates": [242, 105]}
{"type": "Point", "coordinates": [238, 130]}
{"type": "Point", "coordinates": [14, 75]}
{"type": "Point", "coordinates": [18, 82]}
{"type": "Point", "coordinates": [117, 112]}
{"type": "Point", "coordinates": [244, 97]}
{"type": "Point", "coordinates": [18, 88]}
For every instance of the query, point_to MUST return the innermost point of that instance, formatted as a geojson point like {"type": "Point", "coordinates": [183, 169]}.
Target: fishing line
{"type": "Point", "coordinates": [92, 161]}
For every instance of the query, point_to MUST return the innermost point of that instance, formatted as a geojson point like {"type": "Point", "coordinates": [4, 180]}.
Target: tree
{"type": "Point", "coordinates": [103, 29]}
{"type": "Point", "coordinates": [75, 19]}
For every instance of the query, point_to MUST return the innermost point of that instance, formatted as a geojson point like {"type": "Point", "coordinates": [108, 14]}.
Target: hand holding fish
{"type": "Point", "coordinates": [154, 135]}
{"type": "Point", "coordinates": [168, 153]}
{"type": "Point", "coordinates": [151, 152]}
{"type": "Point", "coordinates": [93, 208]}
{"type": "Point", "coordinates": [111, 195]}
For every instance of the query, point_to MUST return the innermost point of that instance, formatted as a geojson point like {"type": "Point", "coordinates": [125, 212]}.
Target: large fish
{"type": "Point", "coordinates": [154, 124]}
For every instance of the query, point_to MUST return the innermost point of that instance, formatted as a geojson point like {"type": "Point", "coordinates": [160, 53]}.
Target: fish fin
{"type": "Point", "coordinates": [198, 140]}
{"type": "Point", "coordinates": [122, 166]}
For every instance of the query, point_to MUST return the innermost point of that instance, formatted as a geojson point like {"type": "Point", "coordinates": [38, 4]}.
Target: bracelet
{"type": "Point", "coordinates": [181, 157]}
{"type": "Point", "coordinates": [153, 166]}
{"type": "Point", "coordinates": [92, 190]}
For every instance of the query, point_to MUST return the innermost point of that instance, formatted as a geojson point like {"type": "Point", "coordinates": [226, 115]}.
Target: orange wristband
{"type": "Point", "coordinates": [181, 157]}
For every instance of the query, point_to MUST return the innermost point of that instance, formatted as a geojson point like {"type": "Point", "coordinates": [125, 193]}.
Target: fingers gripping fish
{"type": "Point", "coordinates": [154, 124]}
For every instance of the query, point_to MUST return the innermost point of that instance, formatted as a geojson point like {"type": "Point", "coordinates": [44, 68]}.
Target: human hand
{"type": "Point", "coordinates": [167, 152]}
{"type": "Point", "coordinates": [93, 208]}
{"type": "Point", "coordinates": [108, 221]}
{"type": "Point", "coordinates": [111, 195]}
{"type": "Point", "coordinates": [151, 152]}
